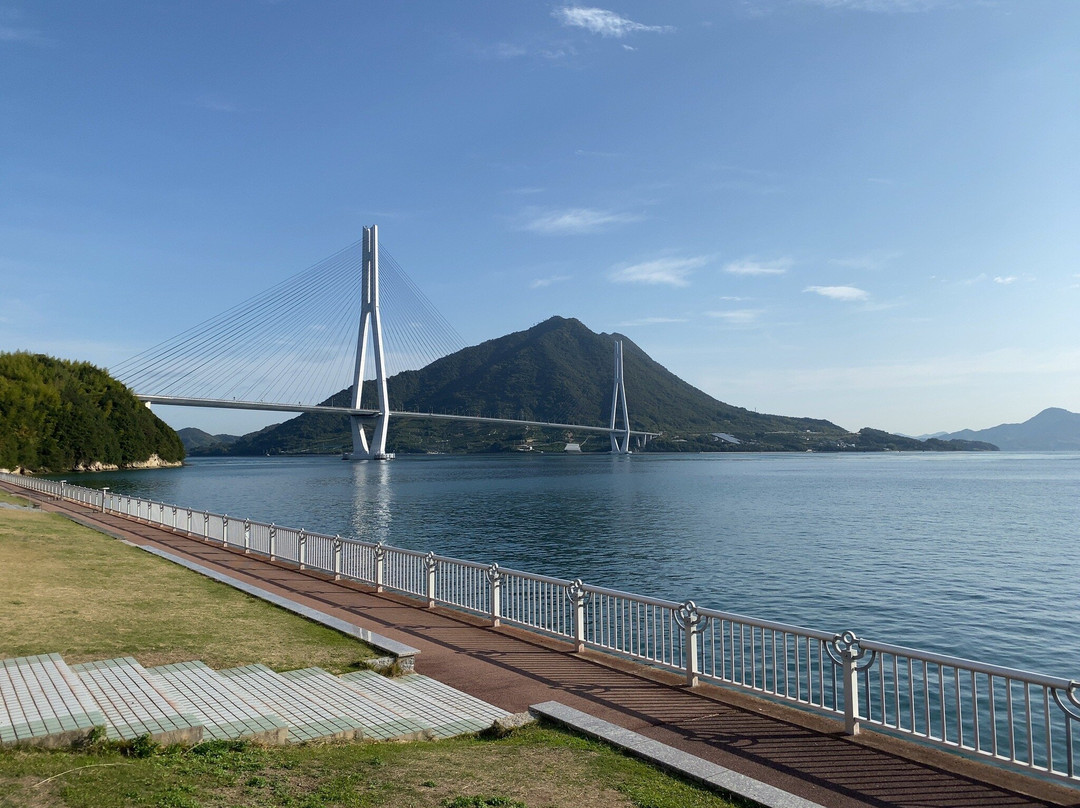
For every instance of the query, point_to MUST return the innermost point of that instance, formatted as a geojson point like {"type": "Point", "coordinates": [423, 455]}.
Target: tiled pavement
{"type": "Point", "coordinates": [47, 703]}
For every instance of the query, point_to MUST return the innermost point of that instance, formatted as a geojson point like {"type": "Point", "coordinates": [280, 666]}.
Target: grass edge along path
{"type": "Point", "coordinates": [68, 589]}
{"type": "Point", "coordinates": [533, 767]}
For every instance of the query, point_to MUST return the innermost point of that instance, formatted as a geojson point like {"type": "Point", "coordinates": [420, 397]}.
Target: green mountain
{"type": "Point", "coordinates": [560, 371]}
{"type": "Point", "coordinates": [198, 440]}
{"type": "Point", "coordinates": [58, 416]}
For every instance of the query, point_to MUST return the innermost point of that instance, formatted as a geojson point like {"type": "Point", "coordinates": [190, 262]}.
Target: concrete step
{"type": "Point", "coordinates": [226, 710]}
{"type": "Point", "coordinates": [133, 704]}
{"type": "Point", "coordinates": [308, 716]}
{"type": "Point", "coordinates": [378, 722]}
{"type": "Point", "coordinates": [444, 719]}
{"type": "Point", "coordinates": [438, 692]}
{"type": "Point", "coordinates": [44, 703]}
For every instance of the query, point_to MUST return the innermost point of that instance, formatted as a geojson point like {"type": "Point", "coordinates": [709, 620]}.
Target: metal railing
{"type": "Point", "coordinates": [1013, 717]}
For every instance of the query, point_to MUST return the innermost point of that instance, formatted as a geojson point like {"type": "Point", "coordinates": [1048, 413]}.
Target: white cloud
{"type": "Point", "coordinates": [750, 267]}
{"type": "Point", "coordinates": [650, 321]}
{"type": "Point", "coordinates": [540, 283]}
{"type": "Point", "coordinates": [576, 220]}
{"type": "Point", "coordinates": [848, 294]}
{"type": "Point", "coordinates": [1005, 281]}
{"type": "Point", "coordinates": [737, 316]}
{"type": "Point", "coordinates": [663, 271]}
{"type": "Point", "coordinates": [602, 22]}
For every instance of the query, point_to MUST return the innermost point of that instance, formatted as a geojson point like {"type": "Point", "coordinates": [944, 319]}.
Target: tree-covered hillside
{"type": "Point", "coordinates": [57, 415]}
{"type": "Point", "coordinates": [557, 371]}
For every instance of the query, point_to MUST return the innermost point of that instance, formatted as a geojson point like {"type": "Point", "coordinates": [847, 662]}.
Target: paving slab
{"type": "Point", "coordinates": [308, 716]}
{"type": "Point", "coordinates": [133, 705]}
{"type": "Point", "coordinates": [44, 703]}
{"type": "Point", "coordinates": [444, 721]}
{"type": "Point", "coordinates": [674, 760]}
{"type": "Point", "coordinates": [377, 721]}
{"type": "Point", "coordinates": [224, 709]}
{"type": "Point", "coordinates": [460, 702]}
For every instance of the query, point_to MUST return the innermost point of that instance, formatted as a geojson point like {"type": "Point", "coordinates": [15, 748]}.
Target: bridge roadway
{"type": "Point", "coordinates": [796, 751]}
{"type": "Point", "coordinates": [231, 404]}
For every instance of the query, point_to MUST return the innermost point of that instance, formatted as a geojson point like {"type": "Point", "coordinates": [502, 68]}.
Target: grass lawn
{"type": "Point", "coordinates": [11, 499]}
{"type": "Point", "coordinates": [68, 589]}
{"type": "Point", "coordinates": [86, 596]}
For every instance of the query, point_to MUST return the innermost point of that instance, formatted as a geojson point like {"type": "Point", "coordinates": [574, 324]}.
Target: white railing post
{"type": "Point", "coordinates": [337, 558]}
{"type": "Point", "coordinates": [174, 512]}
{"type": "Point", "coordinates": [846, 651]}
{"type": "Point", "coordinates": [247, 536]}
{"type": "Point", "coordinates": [206, 526]}
{"type": "Point", "coordinates": [189, 521]}
{"type": "Point", "coordinates": [577, 595]}
{"type": "Point", "coordinates": [301, 548]}
{"type": "Point", "coordinates": [495, 577]}
{"type": "Point", "coordinates": [104, 493]}
{"type": "Point", "coordinates": [431, 565]}
{"type": "Point", "coordinates": [380, 561]}
{"type": "Point", "coordinates": [692, 623]}
{"type": "Point", "coordinates": [273, 542]}
{"type": "Point", "coordinates": [225, 530]}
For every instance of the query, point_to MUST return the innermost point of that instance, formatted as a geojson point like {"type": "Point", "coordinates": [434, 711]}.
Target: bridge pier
{"type": "Point", "coordinates": [620, 441]}
{"type": "Point", "coordinates": [370, 324]}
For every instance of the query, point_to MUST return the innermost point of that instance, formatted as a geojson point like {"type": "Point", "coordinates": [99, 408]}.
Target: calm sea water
{"type": "Point", "coordinates": [969, 554]}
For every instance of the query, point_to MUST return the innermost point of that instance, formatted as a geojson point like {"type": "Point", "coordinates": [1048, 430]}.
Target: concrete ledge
{"type": "Point", "coordinates": [667, 757]}
{"type": "Point", "coordinates": [405, 654]}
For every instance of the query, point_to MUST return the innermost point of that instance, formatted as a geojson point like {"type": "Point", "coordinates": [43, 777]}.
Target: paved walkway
{"type": "Point", "coordinates": [795, 751]}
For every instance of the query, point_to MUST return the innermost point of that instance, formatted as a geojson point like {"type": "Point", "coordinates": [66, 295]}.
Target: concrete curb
{"type": "Point", "coordinates": [673, 760]}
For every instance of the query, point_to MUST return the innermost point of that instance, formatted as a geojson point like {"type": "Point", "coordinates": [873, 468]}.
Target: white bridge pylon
{"type": "Point", "coordinates": [370, 327]}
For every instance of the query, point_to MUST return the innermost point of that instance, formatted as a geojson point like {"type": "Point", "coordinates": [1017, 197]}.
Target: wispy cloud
{"type": "Point", "coordinates": [575, 221]}
{"type": "Point", "coordinates": [737, 316]}
{"type": "Point", "coordinates": [12, 31]}
{"type": "Point", "coordinates": [603, 22]}
{"type": "Point", "coordinates": [663, 271]}
{"type": "Point", "coordinates": [848, 294]}
{"type": "Point", "coordinates": [540, 283]}
{"type": "Point", "coordinates": [1005, 281]}
{"type": "Point", "coordinates": [751, 267]}
{"type": "Point", "coordinates": [650, 321]}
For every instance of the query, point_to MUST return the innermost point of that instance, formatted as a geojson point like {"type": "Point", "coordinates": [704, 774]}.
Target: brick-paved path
{"type": "Point", "coordinates": [797, 752]}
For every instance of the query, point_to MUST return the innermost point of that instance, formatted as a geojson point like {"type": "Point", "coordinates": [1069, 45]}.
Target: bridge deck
{"type": "Point", "coordinates": [797, 752]}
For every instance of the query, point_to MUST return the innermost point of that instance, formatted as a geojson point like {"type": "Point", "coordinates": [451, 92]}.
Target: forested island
{"type": "Point", "coordinates": [57, 416]}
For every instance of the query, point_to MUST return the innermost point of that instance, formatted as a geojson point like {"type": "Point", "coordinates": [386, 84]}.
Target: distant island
{"type": "Point", "coordinates": [558, 371]}
{"type": "Point", "coordinates": [1052, 430]}
{"type": "Point", "coordinates": [58, 416]}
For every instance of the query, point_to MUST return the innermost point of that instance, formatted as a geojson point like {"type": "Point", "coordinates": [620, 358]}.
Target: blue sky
{"type": "Point", "coordinates": [860, 210]}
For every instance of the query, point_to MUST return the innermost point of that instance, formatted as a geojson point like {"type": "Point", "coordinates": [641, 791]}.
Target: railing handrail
{"type": "Point", "coordinates": [957, 703]}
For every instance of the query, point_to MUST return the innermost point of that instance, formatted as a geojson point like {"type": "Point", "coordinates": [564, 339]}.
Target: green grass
{"type": "Point", "coordinates": [535, 766]}
{"type": "Point", "coordinates": [11, 499]}
{"type": "Point", "coordinates": [68, 589]}
{"type": "Point", "coordinates": [65, 588]}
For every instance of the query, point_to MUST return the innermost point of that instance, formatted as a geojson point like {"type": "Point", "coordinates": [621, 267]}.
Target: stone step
{"type": "Point", "coordinates": [135, 705]}
{"type": "Point", "coordinates": [435, 691]}
{"type": "Point", "coordinates": [226, 710]}
{"type": "Point", "coordinates": [378, 722]}
{"type": "Point", "coordinates": [44, 703]}
{"type": "Point", "coordinates": [308, 716]}
{"type": "Point", "coordinates": [444, 719]}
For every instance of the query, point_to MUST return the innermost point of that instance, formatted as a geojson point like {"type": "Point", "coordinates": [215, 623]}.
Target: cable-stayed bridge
{"type": "Point", "coordinates": [290, 348]}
